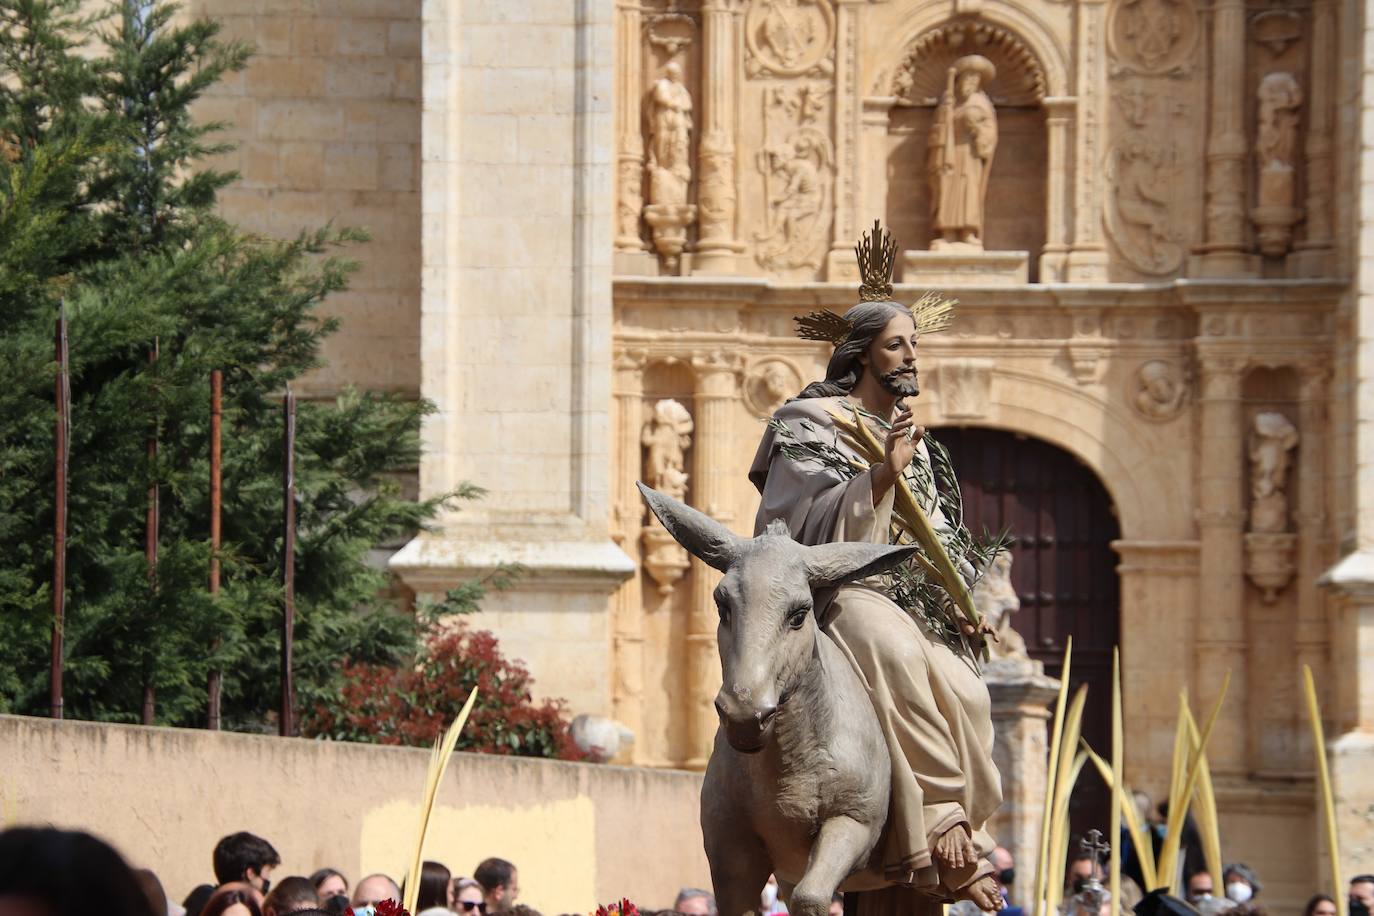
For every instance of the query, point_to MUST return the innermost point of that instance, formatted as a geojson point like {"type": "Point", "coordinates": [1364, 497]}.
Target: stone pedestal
{"type": "Point", "coordinates": [1021, 697]}
{"type": "Point", "coordinates": [960, 267]}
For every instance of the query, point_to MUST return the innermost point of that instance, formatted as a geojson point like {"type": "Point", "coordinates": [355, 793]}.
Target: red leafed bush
{"type": "Point", "coordinates": [384, 704]}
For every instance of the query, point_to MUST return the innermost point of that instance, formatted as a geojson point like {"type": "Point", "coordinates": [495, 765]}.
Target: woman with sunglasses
{"type": "Point", "coordinates": [468, 899]}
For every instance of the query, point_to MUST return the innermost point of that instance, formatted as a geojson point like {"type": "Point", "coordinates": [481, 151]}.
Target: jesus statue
{"type": "Point", "coordinates": [914, 650]}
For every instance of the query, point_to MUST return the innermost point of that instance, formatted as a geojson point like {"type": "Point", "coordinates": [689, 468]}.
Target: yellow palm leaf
{"type": "Point", "coordinates": [1333, 847]}
{"type": "Point", "coordinates": [438, 765]}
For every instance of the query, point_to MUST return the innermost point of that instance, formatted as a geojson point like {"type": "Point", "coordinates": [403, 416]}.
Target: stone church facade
{"type": "Point", "coordinates": [595, 220]}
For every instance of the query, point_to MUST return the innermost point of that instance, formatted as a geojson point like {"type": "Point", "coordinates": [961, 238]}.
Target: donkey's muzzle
{"type": "Point", "coordinates": [747, 729]}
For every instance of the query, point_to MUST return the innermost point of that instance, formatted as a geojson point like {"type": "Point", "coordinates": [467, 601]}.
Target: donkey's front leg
{"type": "Point", "coordinates": [840, 848]}
{"type": "Point", "coordinates": [740, 867]}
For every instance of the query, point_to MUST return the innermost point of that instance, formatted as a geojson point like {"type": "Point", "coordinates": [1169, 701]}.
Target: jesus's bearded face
{"type": "Point", "coordinates": [891, 358]}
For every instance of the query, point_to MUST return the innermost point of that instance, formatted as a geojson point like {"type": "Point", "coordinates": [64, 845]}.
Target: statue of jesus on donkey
{"type": "Point", "coordinates": [855, 744]}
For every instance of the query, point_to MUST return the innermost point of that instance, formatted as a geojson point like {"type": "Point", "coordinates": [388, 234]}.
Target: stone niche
{"type": "Point", "coordinates": [1016, 191]}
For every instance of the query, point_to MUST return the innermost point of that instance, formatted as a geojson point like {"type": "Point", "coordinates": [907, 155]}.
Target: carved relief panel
{"type": "Point", "coordinates": [796, 165]}
{"type": "Point", "coordinates": [786, 146]}
{"type": "Point", "coordinates": [790, 38]}
{"type": "Point", "coordinates": [1153, 161]}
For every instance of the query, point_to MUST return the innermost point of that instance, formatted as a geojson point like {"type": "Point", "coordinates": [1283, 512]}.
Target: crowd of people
{"type": "Point", "coordinates": [48, 872]}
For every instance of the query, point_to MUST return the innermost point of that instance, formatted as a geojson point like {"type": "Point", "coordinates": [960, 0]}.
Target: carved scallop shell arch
{"type": "Point", "coordinates": [920, 79]}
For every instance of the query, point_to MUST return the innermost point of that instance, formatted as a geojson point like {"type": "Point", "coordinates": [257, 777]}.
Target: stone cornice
{"type": "Point", "coordinates": [1201, 296]}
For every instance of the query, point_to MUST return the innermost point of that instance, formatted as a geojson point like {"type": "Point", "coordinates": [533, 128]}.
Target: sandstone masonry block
{"type": "Point", "coordinates": [300, 119]}
{"type": "Point", "coordinates": [362, 37]}
{"type": "Point", "coordinates": [314, 36]}
{"type": "Point", "coordinates": [302, 165]}
{"type": "Point", "coordinates": [351, 166]}
{"type": "Point", "coordinates": [285, 77]}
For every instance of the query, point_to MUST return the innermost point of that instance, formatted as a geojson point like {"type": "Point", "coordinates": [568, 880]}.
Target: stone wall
{"type": "Point", "coordinates": [327, 121]}
{"type": "Point", "coordinates": [579, 833]}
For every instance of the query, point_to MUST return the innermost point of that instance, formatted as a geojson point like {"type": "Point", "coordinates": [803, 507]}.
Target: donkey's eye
{"type": "Point", "coordinates": [797, 619]}
{"type": "Point", "coordinates": [723, 609]}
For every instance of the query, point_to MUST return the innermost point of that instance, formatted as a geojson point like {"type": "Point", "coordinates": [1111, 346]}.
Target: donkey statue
{"type": "Point", "coordinates": [799, 778]}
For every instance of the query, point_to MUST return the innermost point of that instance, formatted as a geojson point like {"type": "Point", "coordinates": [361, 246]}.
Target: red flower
{"type": "Point", "coordinates": [391, 908]}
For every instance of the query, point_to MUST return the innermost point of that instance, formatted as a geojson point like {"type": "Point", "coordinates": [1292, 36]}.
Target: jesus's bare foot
{"type": "Point", "coordinates": [983, 893]}
{"type": "Point", "coordinates": [954, 848]}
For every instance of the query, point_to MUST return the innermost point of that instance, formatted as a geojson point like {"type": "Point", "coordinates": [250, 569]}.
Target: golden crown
{"type": "Point", "coordinates": [877, 253]}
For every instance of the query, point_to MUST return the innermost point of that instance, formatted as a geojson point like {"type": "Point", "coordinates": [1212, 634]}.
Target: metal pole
{"type": "Point", "coordinates": [59, 553]}
{"type": "Point", "coordinates": [287, 723]}
{"type": "Point", "coordinates": [150, 546]}
{"type": "Point", "coordinates": [216, 412]}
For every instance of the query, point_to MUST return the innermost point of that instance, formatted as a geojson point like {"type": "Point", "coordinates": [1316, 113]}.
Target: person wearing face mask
{"type": "Point", "coordinates": [238, 857]}
{"type": "Point", "coordinates": [371, 891]}
{"type": "Point", "coordinates": [331, 889]}
{"type": "Point", "coordinates": [1005, 873]}
{"type": "Point", "coordinates": [1241, 883]}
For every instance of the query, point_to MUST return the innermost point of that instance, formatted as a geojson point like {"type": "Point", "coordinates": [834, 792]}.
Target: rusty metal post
{"type": "Point", "coordinates": [150, 547]}
{"type": "Point", "coordinates": [59, 553]}
{"type": "Point", "coordinates": [216, 678]}
{"type": "Point", "coordinates": [288, 622]}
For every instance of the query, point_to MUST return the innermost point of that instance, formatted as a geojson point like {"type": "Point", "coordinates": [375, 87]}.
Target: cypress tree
{"type": "Point", "coordinates": [109, 204]}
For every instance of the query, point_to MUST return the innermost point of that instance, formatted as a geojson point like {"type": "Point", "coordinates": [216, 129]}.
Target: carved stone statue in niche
{"type": "Point", "coordinates": [1269, 546]}
{"type": "Point", "coordinates": [1276, 144]}
{"type": "Point", "coordinates": [995, 598]}
{"type": "Point", "coordinates": [1160, 390]}
{"type": "Point", "coordinates": [670, 162]}
{"type": "Point", "coordinates": [667, 436]}
{"type": "Point", "coordinates": [961, 146]}
{"type": "Point", "coordinates": [1272, 439]}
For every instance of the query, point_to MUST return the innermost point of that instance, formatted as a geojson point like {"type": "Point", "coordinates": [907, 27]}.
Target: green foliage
{"type": "Point", "coordinates": [107, 205]}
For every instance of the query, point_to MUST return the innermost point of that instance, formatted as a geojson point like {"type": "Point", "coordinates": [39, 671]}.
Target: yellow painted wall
{"type": "Point", "coordinates": [579, 833]}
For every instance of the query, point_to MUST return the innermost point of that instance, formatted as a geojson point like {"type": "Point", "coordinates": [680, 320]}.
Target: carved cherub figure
{"type": "Point", "coordinates": [667, 436]}
{"type": "Point", "coordinates": [1160, 392]}
{"type": "Point", "coordinates": [1272, 439]}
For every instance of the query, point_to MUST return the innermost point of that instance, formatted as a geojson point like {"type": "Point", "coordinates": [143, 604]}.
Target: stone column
{"type": "Point", "coordinates": [516, 338]}
{"type": "Point", "coordinates": [1221, 642]}
{"type": "Point", "coordinates": [1059, 113]}
{"type": "Point", "coordinates": [1021, 694]}
{"type": "Point", "coordinates": [717, 249]}
{"type": "Point", "coordinates": [629, 46]}
{"type": "Point", "coordinates": [1159, 606]}
{"type": "Point", "coordinates": [1309, 638]}
{"type": "Point", "coordinates": [840, 263]}
{"type": "Point", "coordinates": [627, 686]}
{"type": "Point", "coordinates": [1223, 254]}
{"type": "Point", "coordinates": [717, 386]}
{"type": "Point", "coordinates": [1314, 254]}
{"type": "Point", "coordinates": [1087, 261]}
{"type": "Point", "coordinates": [1352, 579]}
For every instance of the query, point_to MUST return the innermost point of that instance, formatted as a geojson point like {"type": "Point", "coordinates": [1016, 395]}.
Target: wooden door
{"type": "Point", "coordinates": [1063, 568]}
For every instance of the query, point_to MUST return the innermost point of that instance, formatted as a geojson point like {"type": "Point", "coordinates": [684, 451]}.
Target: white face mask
{"type": "Point", "coordinates": [769, 896]}
{"type": "Point", "coordinates": [1239, 891]}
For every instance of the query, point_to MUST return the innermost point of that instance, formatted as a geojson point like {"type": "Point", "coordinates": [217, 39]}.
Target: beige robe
{"type": "Point", "coordinates": [932, 706]}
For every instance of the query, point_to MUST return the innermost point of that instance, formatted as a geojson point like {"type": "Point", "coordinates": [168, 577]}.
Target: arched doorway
{"type": "Point", "coordinates": [1063, 568]}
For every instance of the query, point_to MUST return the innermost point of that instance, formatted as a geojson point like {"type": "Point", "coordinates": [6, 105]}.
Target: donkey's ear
{"type": "Point", "coordinates": [831, 565]}
{"type": "Point", "coordinates": [704, 537]}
